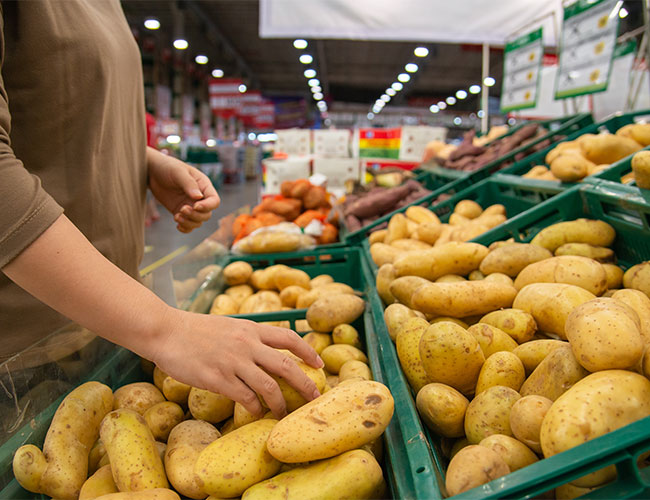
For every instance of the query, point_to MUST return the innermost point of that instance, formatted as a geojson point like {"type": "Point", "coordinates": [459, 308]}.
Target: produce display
{"type": "Point", "coordinates": [519, 351]}
{"type": "Point", "coordinates": [440, 150]}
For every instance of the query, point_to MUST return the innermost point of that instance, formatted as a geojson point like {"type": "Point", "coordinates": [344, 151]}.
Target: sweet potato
{"type": "Point", "coordinates": [315, 197]}
{"type": "Point", "coordinates": [378, 202]}
{"type": "Point", "coordinates": [286, 187]}
{"type": "Point", "coordinates": [306, 217]}
{"type": "Point", "coordinates": [269, 218]}
{"type": "Point", "coordinates": [300, 187]}
{"type": "Point", "coordinates": [330, 235]}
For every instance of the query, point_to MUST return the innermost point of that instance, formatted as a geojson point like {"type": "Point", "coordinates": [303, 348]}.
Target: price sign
{"type": "Point", "coordinates": [521, 70]}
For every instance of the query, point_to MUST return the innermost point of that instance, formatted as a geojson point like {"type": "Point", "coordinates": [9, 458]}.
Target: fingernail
{"type": "Point", "coordinates": [315, 394]}
{"type": "Point", "coordinates": [196, 193]}
{"type": "Point", "coordinates": [320, 362]}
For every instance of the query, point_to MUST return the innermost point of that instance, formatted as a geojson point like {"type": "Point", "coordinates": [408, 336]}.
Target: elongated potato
{"type": "Point", "coordinates": [291, 277]}
{"type": "Point", "coordinates": [139, 397]}
{"type": "Point", "coordinates": [353, 474]}
{"type": "Point", "coordinates": [608, 148]}
{"type": "Point", "coordinates": [404, 288]}
{"type": "Point", "coordinates": [614, 276]}
{"type": "Point", "coordinates": [571, 269]}
{"type": "Point", "coordinates": [131, 449]}
{"type": "Point", "coordinates": [306, 299]}
{"type": "Point", "coordinates": [408, 244]}
{"type": "Point", "coordinates": [450, 258]}
{"type": "Point", "coordinates": [377, 236]}
{"type": "Point", "coordinates": [383, 253]}
{"type": "Point", "coordinates": [489, 413]}
{"type": "Point", "coordinates": [397, 228]}
{"type": "Point", "coordinates": [209, 406]}
{"type": "Point", "coordinates": [421, 215]}
{"type": "Point", "coordinates": [428, 232]}
{"type": "Point", "coordinates": [599, 254]}
{"type": "Point", "coordinates": [162, 418]}
{"type": "Point", "coordinates": [519, 324]}
{"type": "Point", "coordinates": [467, 298]}
{"type": "Point", "coordinates": [526, 417]}
{"type": "Point", "coordinates": [100, 483]}
{"type": "Point", "coordinates": [395, 315]}
{"type": "Point", "coordinates": [533, 353]}
{"type": "Point", "coordinates": [491, 339]}
{"type": "Point", "coordinates": [385, 276]}
{"type": "Point", "coordinates": [344, 418]}
{"type": "Point", "coordinates": [594, 232]}
{"type": "Point", "coordinates": [318, 341]}
{"type": "Point", "coordinates": [237, 273]}
{"type": "Point", "coordinates": [511, 259]}
{"type": "Point", "coordinates": [473, 466]}
{"type": "Point", "coordinates": [353, 369]}
{"type": "Point", "coordinates": [175, 391]}
{"type": "Point", "coordinates": [186, 442]}
{"type": "Point", "coordinates": [638, 277]}
{"type": "Point", "coordinates": [331, 310]}
{"type": "Point", "coordinates": [515, 453]}
{"type": "Point", "coordinates": [61, 468]}
{"type": "Point", "coordinates": [501, 368]}
{"type": "Point", "coordinates": [407, 342]}
{"type": "Point", "coordinates": [153, 494]}
{"type": "Point", "coordinates": [557, 372]}
{"type": "Point", "coordinates": [336, 355]}
{"type": "Point", "coordinates": [443, 409]}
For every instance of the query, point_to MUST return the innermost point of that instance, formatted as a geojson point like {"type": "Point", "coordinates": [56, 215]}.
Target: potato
{"type": "Point", "coordinates": [263, 301]}
{"type": "Point", "coordinates": [241, 417]}
{"type": "Point", "coordinates": [640, 302]}
{"type": "Point", "coordinates": [421, 215]}
{"type": "Point", "coordinates": [568, 146]}
{"type": "Point", "coordinates": [595, 406]}
{"type": "Point", "coordinates": [383, 253]}
{"type": "Point", "coordinates": [452, 356]}
{"type": "Point", "coordinates": [224, 305]}
{"type": "Point", "coordinates": [476, 275]}
{"type": "Point", "coordinates": [638, 277]}
{"type": "Point", "coordinates": [236, 461]}
{"type": "Point", "coordinates": [237, 273]}
{"type": "Point", "coordinates": [516, 323]}
{"type": "Point", "coordinates": [551, 303]}
{"type": "Point", "coordinates": [271, 242]}
{"type": "Point", "coordinates": [609, 148]}
{"type": "Point", "coordinates": [445, 235]}
{"type": "Point", "coordinates": [404, 288]}
{"type": "Point", "coordinates": [533, 353]}
{"type": "Point", "coordinates": [291, 396]}
{"type": "Point", "coordinates": [302, 326]}
{"type": "Point", "coordinates": [605, 334]}
{"type": "Point", "coordinates": [158, 377]}
{"type": "Point", "coordinates": [209, 406]}
{"type": "Point", "coordinates": [614, 276]}
{"type": "Point", "coordinates": [570, 491]}
{"type": "Point", "coordinates": [320, 280]}
{"type": "Point", "coordinates": [489, 413]}
{"type": "Point", "coordinates": [514, 453]}
{"type": "Point", "coordinates": [473, 466]}
{"type": "Point", "coordinates": [408, 244]}
{"type": "Point", "coordinates": [377, 236]}
{"type": "Point", "coordinates": [453, 320]}
{"type": "Point", "coordinates": [491, 339]}
{"type": "Point", "coordinates": [511, 259]}
{"type": "Point", "coordinates": [344, 418]}
{"type": "Point", "coordinates": [599, 254]}
{"type": "Point", "coordinates": [100, 483]}
{"type": "Point", "coordinates": [526, 417]}
{"type": "Point", "coordinates": [139, 397]}
{"type": "Point", "coordinates": [458, 445]}
{"type": "Point", "coordinates": [291, 277]}
{"type": "Point", "coordinates": [346, 334]}
{"type": "Point", "coordinates": [450, 258]}
{"type": "Point", "coordinates": [501, 368]}
{"type": "Point", "coordinates": [153, 494]}
{"type": "Point", "coordinates": [239, 293]}
{"type": "Point", "coordinates": [407, 342]}
{"type": "Point", "coordinates": [385, 276]}
{"type": "Point", "coordinates": [443, 409]}
{"type": "Point", "coordinates": [353, 474]}
{"type": "Point", "coordinates": [307, 299]}
{"type": "Point", "coordinates": [335, 355]}
{"type": "Point", "coordinates": [162, 418]}
{"type": "Point", "coordinates": [641, 169]}
{"type": "Point", "coordinates": [97, 452]}
{"type": "Point", "coordinates": [504, 279]}
{"type": "Point", "coordinates": [468, 208]}
{"type": "Point", "coordinates": [462, 299]}
{"type": "Point", "coordinates": [449, 278]}
{"type": "Point", "coordinates": [570, 167]}
{"type": "Point", "coordinates": [354, 369]}
{"type": "Point", "coordinates": [331, 310]}
{"type": "Point", "coordinates": [570, 269]}
{"type": "Point", "coordinates": [132, 452]}
{"type": "Point", "coordinates": [289, 295]}
{"type": "Point", "coordinates": [186, 441]}
{"type": "Point", "coordinates": [456, 219]}
{"type": "Point", "coordinates": [594, 232]}
{"type": "Point", "coordinates": [318, 341]}
{"type": "Point", "coordinates": [397, 228]}
{"type": "Point", "coordinates": [428, 232]}
{"type": "Point", "coordinates": [262, 279]}
{"type": "Point", "coordinates": [557, 372]}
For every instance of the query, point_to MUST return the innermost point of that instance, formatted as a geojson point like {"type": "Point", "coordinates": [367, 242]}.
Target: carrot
{"type": "Point", "coordinates": [305, 218]}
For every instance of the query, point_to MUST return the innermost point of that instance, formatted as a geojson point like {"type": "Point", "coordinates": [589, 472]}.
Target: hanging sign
{"type": "Point", "coordinates": [249, 108]}
{"type": "Point", "coordinates": [265, 117]}
{"type": "Point", "coordinates": [587, 47]}
{"type": "Point", "coordinates": [225, 97]}
{"type": "Point", "coordinates": [521, 71]}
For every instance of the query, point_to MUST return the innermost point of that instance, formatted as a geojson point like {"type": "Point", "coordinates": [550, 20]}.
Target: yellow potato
{"type": "Point", "coordinates": [511, 259]}
{"type": "Point", "coordinates": [595, 406]}
{"type": "Point", "coordinates": [209, 406]}
{"type": "Point", "coordinates": [449, 278]}
{"type": "Point", "coordinates": [331, 310]}
{"type": "Point", "coordinates": [533, 353]}
{"type": "Point", "coordinates": [639, 132]}
{"type": "Point", "coordinates": [302, 326]}
{"type": "Point", "coordinates": [262, 279]}
{"type": "Point", "coordinates": [557, 372]}
{"type": "Point", "coordinates": [563, 146]}
{"type": "Point", "coordinates": [385, 276]}
{"type": "Point", "coordinates": [289, 295]}
{"type": "Point", "coordinates": [291, 396]}
{"type": "Point", "coordinates": [609, 148]}
{"type": "Point", "coordinates": [320, 280]}
{"type": "Point", "coordinates": [421, 215]}
{"type": "Point", "coordinates": [456, 219]}
{"type": "Point", "coordinates": [354, 369]}
{"type": "Point", "coordinates": [397, 228]}
{"type": "Point", "coordinates": [60, 469]}
{"type": "Point", "coordinates": [491, 339]}
{"type": "Point", "coordinates": [307, 299]}
{"type": "Point", "coordinates": [458, 445]}
{"type": "Point", "coordinates": [236, 461]}
{"type": "Point", "coordinates": [153, 494]}
{"type": "Point", "coordinates": [501, 368]}
{"type": "Point", "coordinates": [570, 167]}
{"type": "Point", "coordinates": [353, 474]}
{"type": "Point", "coordinates": [186, 442]}
{"type": "Point", "coordinates": [514, 453]}
{"type": "Point", "coordinates": [237, 273]}
{"type": "Point", "coordinates": [570, 269]}
{"type": "Point", "coordinates": [570, 491]}
{"type": "Point", "coordinates": [526, 417]}
{"type": "Point", "coordinates": [640, 302]}
{"type": "Point", "coordinates": [408, 244]}
{"type": "Point", "coordinates": [346, 334]}
{"type": "Point", "coordinates": [516, 323]}
{"type": "Point", "coordinates": [551, 303]}
{"type": "Point", "coordinates": [443, 409]}
{"type": "Point", "coordinates": [241, 417]}
{"type": "Point", "coordinates": [614, 276]}
{"type": "Point", "coordinates": [344, 418]}
{"type": "Point", "coordinates": [404, 288]}
{"type": "Point", "coordinates": [377, 236]}
{"type": "Point", "coordinates": [162, 418]}
{"type": "Point", "coordinates": [97, 452]}
{"type": "Point", "coordinates": [239, 293]}
{"type": "Point", "coordinates": [641, 169]}
{"type": "Point", "coordinates": [489, 413]}
{"type": "Point", "coordinates": [263, 301]}
{"type": "Point", "coordinates": [428, 232]}
{"type": "Point", "coordinates": [452, 356]}
{"type": "Point", "coordinates": [638, 277]}
{"type": "Point", "coordinates": [139, 397]}
{"type": "Point", "coordinates": [605, 334]}
{"type": "Point", "coordinates": [100, 483]}
{"type": "Point", "coordinates": [462, 299]}
{"type": "Point", "coordinates": [599, 254]}
{"type": "Point", "coordinates": [271, 242]}
{"type": "Point", "coordinates": [158, 377]}
{"type": "Point", "coordinates": [594, 232]}
{"type": "Point", "coordinates": [473, 466]}
{"type": "Point", "coordinates": [476, 275]}
{"type": "Point", "coordinates": [453, 320]}
{"type": "Point", "coordinates": [496, 209]}
{"type": "Point", "coordinates": [335, 355]}
{"type": "Point", "coordinates": [318, 341]}
{"type": "Point", "coordinates": [291, 277]}
{"type": "Point", "coordinates": [504, 279]}
{"type": "Point", "coordinates": [408, 351]}
{"type": "Point", "coordinates": [468, 208]}
{"type": "Point", "coordinates": [224, 305]}
{"type": "Point", "coordinates": [131, 449]}
{"type": "Point", "coordinates": [450, 258]}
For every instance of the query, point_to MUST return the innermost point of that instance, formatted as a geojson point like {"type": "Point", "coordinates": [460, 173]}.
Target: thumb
{"type": "Point", "coordinates": [188, 184]}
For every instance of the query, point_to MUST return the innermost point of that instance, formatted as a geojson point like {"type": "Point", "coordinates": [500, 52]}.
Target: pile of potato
{"type": "Point", "coordinates": [523, 350]}
{"type": "Point", "coordinates": [572, 161]}
{"type": "Point", "coordinates": [155, 441]}
{"type": "Point", "coordinates": [420, 229]}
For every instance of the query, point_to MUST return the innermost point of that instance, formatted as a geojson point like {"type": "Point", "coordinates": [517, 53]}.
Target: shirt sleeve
{"type": "Point", "coordinates": [26, 209]}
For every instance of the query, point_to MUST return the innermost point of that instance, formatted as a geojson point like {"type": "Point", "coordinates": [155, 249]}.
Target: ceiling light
{"type": "Point", "coordinates": [403, 77]}
{"type": "Point", "coordinates": [411, 67]}
{"type": "Point", "coordinates": [306, 59]}
{"type": "Point", "coordinates": [474, 89]}
{"type": "Point", "coordinates": [217, 73]}
{"type": "Point", "coordinates": [421, 52]}
{"type": "Point", "coordinates": [391, 91]}
{"type": "Point", "coordinates": [481, 113]}
{"type": "Point", "coordinates": [461, 94]}
{"type": "Point", "coordinates": [623, 13]}
{"type": "Point", "coordinates": [442, 105]}
{"type": "Point", "coordinates": [181, 44]}
{"type": "Point", "coordinates": [154, 24]}
{"type": "Point", "coordinates": [318, 96]}
{"type": "Point", "coordinates": [300, 43]}
{"type": "Point", "coordinates": [370, 116]}
{"type": "Point", "coordinates": [173, 139]}
{"type": "Point", "coordinates": [316, 89]}
{"type": "Point", "coordinates": [242, 88]}
{"type": "Point", "coordinates": [201, 59]}
{"type": "Point", "coordinates": [314, 82]}
{"type": "Point", "coordinates": [321, 104]}
{"type": "Point", "coordinates": [385, 98]}
{"type": "Point", "coordinates": [252, 136]}
{"type": "Point", "coordinates": [397, 86]}
{"type": "Point", "coordinates": [310, 73]}
{"type": "Point", "coordinates": [451, 100]}
{"type": "Point", "coordinates": [458, 120]}
{"type": "Point", "coordinates": [210, 143]}
{"type": "Point", "coordinates": [489, 81]}
{"type": "Point", "coordinates": [433, 108]}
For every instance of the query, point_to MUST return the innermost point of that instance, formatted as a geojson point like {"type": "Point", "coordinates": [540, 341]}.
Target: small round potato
{"type": "Point", "coordinates": [443, 409]}
{"type": "Point", "coordinates": [491, 339]}
{"type": "Point", "coordinates": [139, 397]}
{"type": "Point", "coordinates": [473, 466]}
{"type": "Point", "coordinates": [239, 292]}
{"type": "Point", "coordinates": [346, 334]}
{"type": "Point", "coordinates": [289, 295]}
{"type": "Point", "coordinates": [614, 276]}
{"type": "Point", "coordinates": [223, 305]}
{"type": "Point", "coordinates": [176, 391]}
{"type": "Point", "coordinates": [209, 406]}
{"type": "Point", "coordinates": [320, 280]}
{"type": "Point", "coordinates": [395, 315]}
{"type": "Point", "coordinates": [638, 277]}
{"type": "Point", "coordinates": [499, 278]}
{"type": "Point", "coordinates": [526, 417]}
{"type": "Point", "coordinates": [450, 278]}
{"type": "Point", "coordinates": [519, 324]}
{"type": "Point", "coordinates": [515, 453]}
{"type": "Point", "coordinates": [318, 341]}
{"type": "Point", "coordinates": [468, 208]}
{"type": "Point", "coordinates": [331, 310]}
{"type": "Point", "coordinates": [335, 355]}
{"type": "Point", "coordinates": [557, 372]}
{"type": "Point", "coordinates": [501, 368]}
{"type": "Point", "coordinates": [162, 418]}
{"type": "Point", "coordinates": [489, 413]}
{"type": "Point", "coordinates": [237, 273]}
{"type": "Point", "coordinates": [282, 278]}
{"type": "Point", "coordinates": [355, 369]}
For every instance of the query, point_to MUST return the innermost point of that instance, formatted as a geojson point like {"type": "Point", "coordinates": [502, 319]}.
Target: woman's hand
{"type": "Point", "coordinates": [234, 357]}
{"type": "Point", "coordinates": [183, 190]}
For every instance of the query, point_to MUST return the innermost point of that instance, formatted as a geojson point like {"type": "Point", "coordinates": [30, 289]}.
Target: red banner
{"type": "Point", "coordinates": [225, 98]}
{"type": "Point", "coordinates": [249, 107]}
{"type": "Point", "coordinates": [265, 117]}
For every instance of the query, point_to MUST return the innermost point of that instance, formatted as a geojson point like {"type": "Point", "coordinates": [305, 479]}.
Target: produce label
{"type": "Point", "coordinates": [521, 70]}
{"type": "Point", "coordinates": [587, 47]}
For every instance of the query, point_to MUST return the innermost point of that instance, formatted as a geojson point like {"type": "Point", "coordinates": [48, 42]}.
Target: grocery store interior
{"type": "Point", "coordinates": [375, 249]}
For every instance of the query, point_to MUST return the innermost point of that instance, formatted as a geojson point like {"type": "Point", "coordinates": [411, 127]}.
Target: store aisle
{"type": "Point", "coordinates": [162, 238]}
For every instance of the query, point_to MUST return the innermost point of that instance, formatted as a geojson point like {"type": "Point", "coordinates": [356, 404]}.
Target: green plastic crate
{"type": "Point", "coordinates": [627, 209]}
